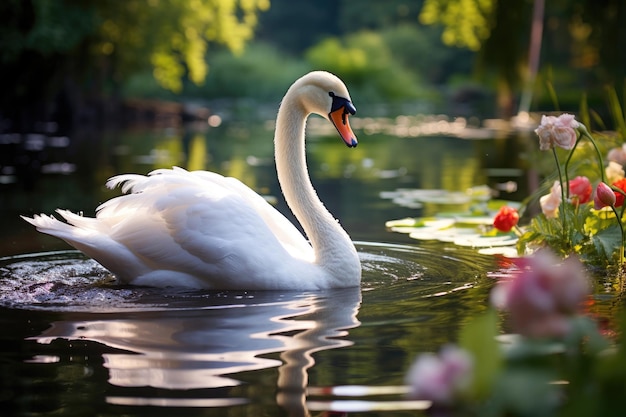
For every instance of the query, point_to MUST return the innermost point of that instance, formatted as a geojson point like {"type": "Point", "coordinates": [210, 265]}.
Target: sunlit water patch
{"type": "Point", "coordinates": [87, 340]}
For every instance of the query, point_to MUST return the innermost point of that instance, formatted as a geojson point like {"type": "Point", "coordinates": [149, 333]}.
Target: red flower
{"type": "Point", "coordinates": [580, 190]}
{"type": "Point", "coordinates": [506, 219]}
{"type": "Point", "coordinates": [619, 197]}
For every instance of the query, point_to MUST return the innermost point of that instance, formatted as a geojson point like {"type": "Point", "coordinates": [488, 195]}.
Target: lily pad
{"type": "Point", "coordinates": [508, 251]}
{"type": "Point", "coordinates": [486, 241]}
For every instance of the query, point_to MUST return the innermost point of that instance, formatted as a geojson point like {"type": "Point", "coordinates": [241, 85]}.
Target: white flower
{"type": "Point", "coordinates": [614, 171]}
{"type": "Point", "coordinates": [550, 202]}
{"type": "Point", "coordinates": [557, 131]}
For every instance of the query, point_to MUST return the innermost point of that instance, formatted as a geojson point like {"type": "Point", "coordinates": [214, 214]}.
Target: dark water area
{"type": "Point", "coordinates": [74, 342]}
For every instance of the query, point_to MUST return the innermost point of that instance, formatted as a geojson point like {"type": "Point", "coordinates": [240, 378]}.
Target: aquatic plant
{"type": "Point", "coordinates": [571, 222]}
{"type": "Point", "coordinates": [577, 216]}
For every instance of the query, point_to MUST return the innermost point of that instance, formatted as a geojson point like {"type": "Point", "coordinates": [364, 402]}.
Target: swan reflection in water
{"type": "Point", "coordinates": [182, 349]}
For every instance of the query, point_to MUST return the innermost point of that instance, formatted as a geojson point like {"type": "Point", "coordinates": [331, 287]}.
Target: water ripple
{"type": "Point", "coordinates": [68, 281]}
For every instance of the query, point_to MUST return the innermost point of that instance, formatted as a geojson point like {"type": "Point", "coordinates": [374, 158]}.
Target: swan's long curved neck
{"type": "Point", "coordinates": [327, 237]}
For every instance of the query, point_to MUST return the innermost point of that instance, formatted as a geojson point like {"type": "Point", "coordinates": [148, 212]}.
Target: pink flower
{"type": "Point", "coordinates": [605, 197]}
{"type": "Point", "coordinates": [440, 378]}
{"type": "Point", "coordinates": [617, 155]}
{"type": "Point", "coordinates": [550, 202]}
{"type": "Point", "coordinates": [557, 131]}
{"type": "Point", "coordinates": [580, 190]}
{"type": "Point", "coordinates": [544, 295]}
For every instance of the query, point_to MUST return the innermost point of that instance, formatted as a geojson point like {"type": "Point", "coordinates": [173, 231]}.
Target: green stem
{"type": "Point", "coordinates": [619, 190]}
{"type": "Point", "coordinates": [621, 228]}
{"type": "Point", "coordinates": [593, 142]}
{"type": "Point", "coordinates": [562, 210]}
{"type": "Point", "coordinates": [567, 163]}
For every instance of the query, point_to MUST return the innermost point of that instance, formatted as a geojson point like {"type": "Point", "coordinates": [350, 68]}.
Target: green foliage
{"type": "Point", "coordinates": [467, 23]}
{"type": "Point", "coordinates": [56, 28]}
{"type": "Point", "coordinates": [117, 39]}
{"type": "Point", "coordinates": [259, 72]}
{"type": "Point", "coordinates": [292, 26]}
{"type": "Point", "coordinates": [618, 114]}
{"type": "Point", "coordinates": [594, 235]}
{"type": "Point", "coordinates": [376, 14]}
{"type": "Point", "coordinates": [364, 61]}
{"type": "Point", "coordinates": [478, 337]}
{"type": "Point", "coordinates": [172, 36]}
{"type": "Point", "coordinates": [410, 44]}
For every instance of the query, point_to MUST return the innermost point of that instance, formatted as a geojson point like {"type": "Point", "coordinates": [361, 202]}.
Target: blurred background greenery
{"type": "Point", "coordinates": [79, 61]}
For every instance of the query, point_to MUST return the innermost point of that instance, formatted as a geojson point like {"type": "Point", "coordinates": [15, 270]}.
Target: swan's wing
{"type": "Point", "coordinates": [218, 185]}
{"type": "Point", "coordinates": [280, 226]}
{"type": "Point", "coordinates": [171, 191]}
{"type": "Point", "coordinates": [206, 227]}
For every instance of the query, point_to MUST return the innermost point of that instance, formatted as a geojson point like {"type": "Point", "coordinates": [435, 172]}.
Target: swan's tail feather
{"type": "Point", "coordinates": [53, 226]}
{"type": "Point", "coordinates": [78, 220]}
{"type": "Point", "coordinates": [82, 233]}
{"type": "Point", "coordinates": [47, 224]}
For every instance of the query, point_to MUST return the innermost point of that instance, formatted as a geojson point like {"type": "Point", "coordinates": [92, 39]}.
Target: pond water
{"type": "Point", "coordinates": [76, 343]}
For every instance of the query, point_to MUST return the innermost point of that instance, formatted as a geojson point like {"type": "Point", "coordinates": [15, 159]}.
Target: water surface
{"type": "Point", "coordinates": [74, 340]}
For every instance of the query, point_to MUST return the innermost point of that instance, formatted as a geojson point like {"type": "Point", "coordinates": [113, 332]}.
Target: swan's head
{"type": "Point", "coordinates": [325, 94]}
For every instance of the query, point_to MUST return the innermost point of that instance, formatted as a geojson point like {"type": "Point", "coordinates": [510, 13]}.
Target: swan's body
{"type": "Point", "coordinates": [200, 229]}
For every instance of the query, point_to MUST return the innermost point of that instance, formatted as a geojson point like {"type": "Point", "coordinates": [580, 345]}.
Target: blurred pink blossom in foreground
{"type": "Point", "coordinates": [543, 296]}
{"type": "Point", "coordinates": [440, 378]}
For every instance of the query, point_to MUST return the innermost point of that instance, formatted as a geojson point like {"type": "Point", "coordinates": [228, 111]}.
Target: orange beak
{"type": "Point", "coordinates": [338, 115]}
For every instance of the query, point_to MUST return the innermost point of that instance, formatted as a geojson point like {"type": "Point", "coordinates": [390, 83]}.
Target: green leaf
{"type": "Point", "coordinates": [479, 338]}
{"type": "Point", "coordinates": [607, 241]}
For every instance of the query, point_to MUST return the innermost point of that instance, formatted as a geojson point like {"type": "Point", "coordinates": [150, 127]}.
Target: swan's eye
{"type": "Point", "coordinates": [340, 102]}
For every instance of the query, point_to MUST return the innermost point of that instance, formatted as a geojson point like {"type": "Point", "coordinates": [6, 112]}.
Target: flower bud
{"type": "Point", "coordinates": [605, 197]}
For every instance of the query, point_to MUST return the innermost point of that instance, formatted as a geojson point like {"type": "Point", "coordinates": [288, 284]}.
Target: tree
{"type": "Point", "coordinates": [498, 33]}
{"type": "Point", "coordinates": [172, 36]}
{"type": "Point", "coordinates": [295, 25]}
{"type": "Point", "coordinates": [44, 43]}
{"type": "Point", "coordinates": [579, 39]}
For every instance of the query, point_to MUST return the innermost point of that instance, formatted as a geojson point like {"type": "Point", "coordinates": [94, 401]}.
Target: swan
{"type": "Point", "coordinates": [200, 229]}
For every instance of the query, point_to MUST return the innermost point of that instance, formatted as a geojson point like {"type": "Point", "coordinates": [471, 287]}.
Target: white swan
{"type": "Point", "coordinates": [200, 229]}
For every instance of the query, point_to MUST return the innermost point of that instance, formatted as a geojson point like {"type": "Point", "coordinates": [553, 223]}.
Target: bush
{"type": "Point", "coordinates": [366, 64]}
{"type": "Point", "coordinates": [260, 72]}
{"type": "Point", "coordinates": [420, 50]}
